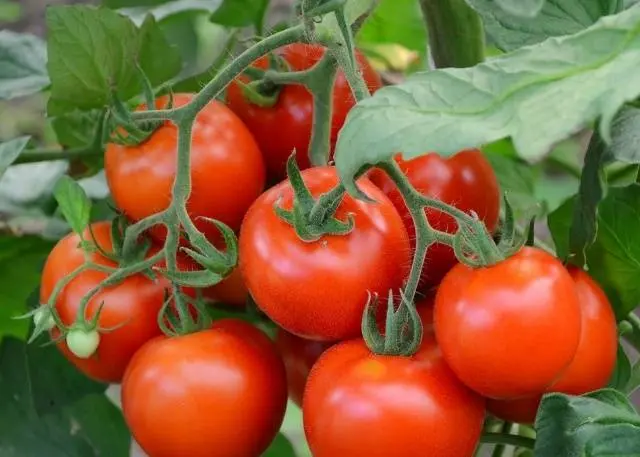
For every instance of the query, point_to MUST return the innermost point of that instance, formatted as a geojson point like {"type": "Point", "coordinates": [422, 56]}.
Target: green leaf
{"type": "Point", "coordinates": [62, 385]}
{"type": "Point", "coordinates": [559, 222]}
{"type": "Point", "coordinates": [21, 260]}
{"type": "Point", "coordinates": [576, 426]}
{"type": "Point", "coordinates": [634, 379]}
{"type": "Point", "coordinates": [452, 109]}
{"type": "Point", "coordinates": [50, 408]}
{"type": "Point", "coordinates": [115, 4]}
{"type": "Point", "coordinates": [280, 447]}
{"type": "Point", "coordinates": [240, 13]}
{"type": "Point", "coordinates": [10, 151]}
{"type": "Point", "coordinates": [556, 18]}
{"type": "Point", "coordinates": [73, 202]}
{"type": "Point", "coordinates": [93, 52]}
{"type": "Point", "coordinates": [622, 372]}
{"type": "Point", "coordinates": [616, 441]}
{"type": "Point", "coordinates": [395, 22]}
{"type": "Point", "coordinates": [23, 59]}
{"type": "Point", "coordinates": [354, 10]}
{"type": "Point", "coordinates": [522, 8]}
{"type": "Point", "coordinates": [592, 190]}
{"type": "Point", "coordinates": [76, 129]}
{"type": "Point", "coordinates": [614, 259]}
{"type": "Point", "coordinates": [625, 136]}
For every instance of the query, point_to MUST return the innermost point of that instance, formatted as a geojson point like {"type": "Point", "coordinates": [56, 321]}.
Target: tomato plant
{"type": "Point", "coordinates": [286, 126]}
{"type": "Point", "coordinates": [127, 310]}
{"type": "Point", "coordinates": [291, 279]}
{"type": "Point", "coordinates": [465, 180]}
{"type": "Point", "coordinates": [351, 392]}
{"type": "Point", "coordinates": [140, 177]}
{"type": "Point", "coordinates": [487, 319]}
{"type": "Point", "coordinates": [197, 394]}
{"type": "Point", "coordinates": [462, 235]}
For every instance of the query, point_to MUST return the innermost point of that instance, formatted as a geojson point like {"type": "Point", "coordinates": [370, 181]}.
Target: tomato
{"type": "Point", "coordinates": [319, 290]}
{"type": "Point", "coordinates": [509, 330]}
{"type": "Point", "coordinates": [287, 126]}
{"type": "Point", "coordinates": [595, 359]}
{"type": "Point", "coordinates": [217, 393]}
{"type": "Point", "coordinates": [227, 170]}
{"type": "Point", "coordinates": [130, 308]}
{"type": "Point", "coordinates": [299, 356]}
{"type": "Point", "coordinates": [361, 404]}
{"type": "Point", "coordinates": [465, 180]}
{"type": "Point", "coordinates": [230, 291]}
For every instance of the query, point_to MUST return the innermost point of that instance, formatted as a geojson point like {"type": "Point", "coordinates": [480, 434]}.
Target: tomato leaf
{"type": "Point", "coordinates": [592, 190]}
{"type": "Point", "coordinates": [93, 52]}
{"type": "Point", "coordinates": [622, 372]}
{"type": "Point", "coordinates": [10, 151]}
{"type": "Point", "coordinates": [634, 379]}
{"type": "Point", "coordinates": [559, 222]}
{"type": "Point", "coordinates": [456, 108]}
{"type": "Point", "coordinates": [23, 61]}
{"type": "Point", "coordinates": [76, 129]}
{"type": "Point", "coordinates": [522, 8]}
{"type": "Point", "coordinates": [280, 447]}
{"type": "Point", "coordinates": [625, 133]}
{"type": "Point", "coordinates": [240, 13]}
{"type": "Point", "coordinates": [115, 4]}
{"type": "Point", "coordinates": [577, 426]}
{"type": "Point", "coordinates": [556, 18]}
{"type": "Point", "coordinates": [21, 259]}
{"type": "Point", "coordinates": [49, 408]}
{"type": "Point", "coordinates": [73, 202]}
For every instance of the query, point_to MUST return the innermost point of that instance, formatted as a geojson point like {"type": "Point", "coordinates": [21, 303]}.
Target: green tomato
{"type": "Point", "coordinates": [83, 343]}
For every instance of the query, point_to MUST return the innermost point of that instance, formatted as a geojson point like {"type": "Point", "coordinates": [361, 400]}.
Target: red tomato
{"type": "Point", "coordinates": [361, 404]}
{"type": "Point", "coordinates": [231, 291]}
{"type": "Point", "coordinates": [509, 330]}
{"type": "Point", "coordinates": [227, 170]}
{"type": "Point", "coordinates": [131, 306]}
{"type": "Point", "coordinates": [216, 393]}
{"type": "Point", "coordinates": [595, 359]}
{"type": "Point", "coordinates": [287, 125]}
{"type": "Point", "coordinates": [319, 290]}
{"type": "Point", "coordinates": [465, 180]}
{"type": "Point", "coordinates": [299, 356]}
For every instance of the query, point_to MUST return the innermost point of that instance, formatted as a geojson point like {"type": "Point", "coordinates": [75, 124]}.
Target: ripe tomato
{"type": "Point", "coordinates": [287, 126]}
{"type": "Point", "coordinates": [131, 306]}
{"type": "Point", "coordinates": [227, 170]}
{"type": "Point", "coordinates": [511, 329]}
{"type": "Point", "coordinates": [361, 404]}
{"type": "Point", "coordinates": [319, 290]}
{"type": "Point", "coordinates": [230, 291]}
{"type": "Point", "coordinates": [216, 393]}
{"type": "Point", "coordinates": [465, 180]}
{"type": "Point", "coordinates": [595, 359]}
{"type": "Point", "coordinates": [299, 356]}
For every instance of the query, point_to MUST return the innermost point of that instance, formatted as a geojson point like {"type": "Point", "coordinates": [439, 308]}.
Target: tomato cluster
{"type": "Point", "coordinates": [495, 338]}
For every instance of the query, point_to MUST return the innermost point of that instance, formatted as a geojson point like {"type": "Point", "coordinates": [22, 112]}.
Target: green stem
{"type": "Point", "coordinates": [42, 155]}
{"type": "Point", "coordinates": [500, 448]}
{"type": "Point", "coordinates": [456, 35]}
{"type": "Point", "coordinates": [326, 205]}
{"type": "Point", "coordinates": [505, 438]}
{"type": "Point", "coordinates": [633, 338]}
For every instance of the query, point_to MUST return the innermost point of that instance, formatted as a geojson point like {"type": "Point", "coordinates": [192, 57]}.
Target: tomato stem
{"type": "Point", "coordinates": [456, 34]}
{"type": "Point", "coordinates": [500, 448]}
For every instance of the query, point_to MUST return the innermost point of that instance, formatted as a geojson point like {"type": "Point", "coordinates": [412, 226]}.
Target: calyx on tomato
{"type": "Point", "coordinates": [313, 218]}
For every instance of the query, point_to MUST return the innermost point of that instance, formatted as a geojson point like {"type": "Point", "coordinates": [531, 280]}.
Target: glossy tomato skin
{"type": "Point", "coordinates": [130, 308]}
{"type": "Point", "coordinates": [318, 290]}
{"type": "Point", "coordinates": [227, 170]}
{"type": "Point", "coordinates": [595, 359]}
{"type": "Point", "coordinates": [509, 330]}
{"type": "Point", "coordinates": [217, 393]}
{"type": "Point", "coordinates": [359, 404]}
{"type": "Point", "coordinates": [299, 356]}
{"type": "Point", "coordinates": [465, 180]}
{"type": "Point", "coordinates": [287, 125]}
